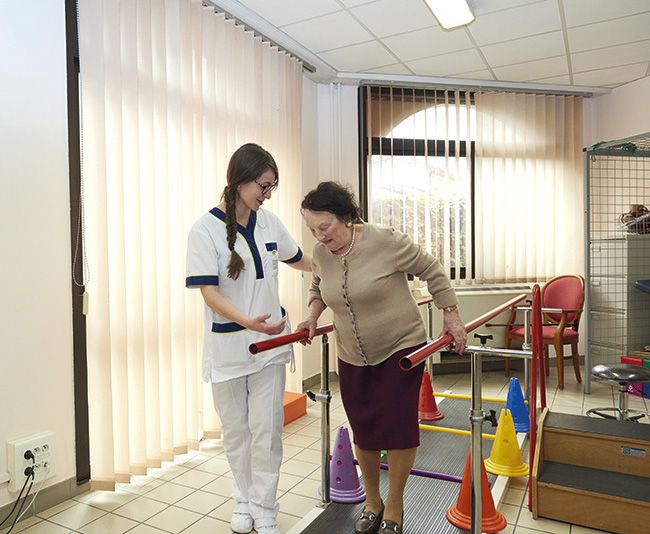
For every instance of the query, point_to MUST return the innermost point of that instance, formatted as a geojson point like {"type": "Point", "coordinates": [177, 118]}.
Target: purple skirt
{"type": "Point", "coordinates": [381, 402]}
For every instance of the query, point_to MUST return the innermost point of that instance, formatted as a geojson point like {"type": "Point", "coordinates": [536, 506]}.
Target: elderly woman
{"type": "Point", "coordinates": [360, 273]}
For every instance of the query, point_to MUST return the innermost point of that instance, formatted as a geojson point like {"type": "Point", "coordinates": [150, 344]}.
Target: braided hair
{"type": "Point", "coordinates": [247, 163]}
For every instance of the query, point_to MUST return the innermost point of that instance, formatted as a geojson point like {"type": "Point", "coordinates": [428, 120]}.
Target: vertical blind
{"type": "Point", "coordinates": [529, 187]}
{"type": "Point", "coordinates": [169, 90]}
{"type": "Point", "coordinates": [419, 148]}
{"type": "Point", "coordinates": [490, 183]}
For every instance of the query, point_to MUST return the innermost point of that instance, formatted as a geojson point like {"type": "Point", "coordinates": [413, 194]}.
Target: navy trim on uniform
{"type": "Point", "coordinates": [248, 233]}
{"type": "Point", "coordinates": [203, 280]}
{"type": "Point", "coordinates": [296, 258]}
{"type": "Point", "coordinates": [227, 328]}
{"type": "Point", "coordinates": [271, 246]}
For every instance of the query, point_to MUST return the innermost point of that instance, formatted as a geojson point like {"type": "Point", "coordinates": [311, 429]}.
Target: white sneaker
{"type": "Point", "coordinates": [266, 525]}
{"type": "Point", "coordinates": [241, 522]}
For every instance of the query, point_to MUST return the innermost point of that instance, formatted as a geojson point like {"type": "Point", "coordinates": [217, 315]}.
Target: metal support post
{"type": "Point", "coordinates": [526, 346]}
{"type": "Point", "coordinates": [477, 416]}
{"type": "Point", "coordinates": [324, 397]}
{"type": "Point", "coordinates": [429, 364]}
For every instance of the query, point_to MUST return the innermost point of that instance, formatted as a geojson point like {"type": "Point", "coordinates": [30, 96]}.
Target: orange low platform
{"type": "Point", "coordinates": [295, 406]}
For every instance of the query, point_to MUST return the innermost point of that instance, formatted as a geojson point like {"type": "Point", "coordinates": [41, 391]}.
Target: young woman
{"type": "Point", "coordinates": [232, 256]}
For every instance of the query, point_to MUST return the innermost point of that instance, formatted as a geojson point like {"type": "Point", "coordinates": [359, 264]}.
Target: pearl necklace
{"type": "Point", "coordinates": [354, 230]}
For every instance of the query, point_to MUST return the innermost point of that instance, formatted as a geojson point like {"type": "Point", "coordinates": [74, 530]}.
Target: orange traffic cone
{"type": "Point", "coordinates": [428, 410]}
{"type": "Point", "coordinates": [505, 458]}
{"type": "Point", "coordinates": [460, 515]}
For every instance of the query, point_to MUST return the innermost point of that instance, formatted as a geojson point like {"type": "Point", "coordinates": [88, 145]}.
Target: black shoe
{"type": "Point", "coordinates": [390, 527]}
{"type": "Point", "coordinates": [368, 522]}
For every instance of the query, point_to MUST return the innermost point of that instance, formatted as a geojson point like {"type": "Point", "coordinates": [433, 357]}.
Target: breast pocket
{"type": "Point", "coordinates": [271, 259]}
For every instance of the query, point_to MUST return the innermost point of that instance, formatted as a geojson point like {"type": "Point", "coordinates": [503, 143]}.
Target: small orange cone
{"type": "Point", "coordinates": [460, 515]}
{"type": "Point", "coordinates": [505, 458]}
{"type": "Point", "coordinates": [428, 410]}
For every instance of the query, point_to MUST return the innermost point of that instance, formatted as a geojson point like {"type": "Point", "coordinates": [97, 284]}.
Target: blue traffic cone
{"type": "Point", "coordinates": [515, 403]}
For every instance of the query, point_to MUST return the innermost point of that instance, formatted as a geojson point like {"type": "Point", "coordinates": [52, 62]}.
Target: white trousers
{"type": "Point", "coordinates": [252, 418]}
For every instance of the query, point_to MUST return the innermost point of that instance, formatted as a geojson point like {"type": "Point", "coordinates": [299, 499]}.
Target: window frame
{"type": "Point", "coordinates": [411, 147]}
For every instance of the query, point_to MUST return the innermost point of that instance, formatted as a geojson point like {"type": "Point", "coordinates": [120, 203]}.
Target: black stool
{"type": "Point", "coordinates": [623, 374]}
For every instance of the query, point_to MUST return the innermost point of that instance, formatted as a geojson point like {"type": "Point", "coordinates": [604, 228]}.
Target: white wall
{"type": "Point", "coordinates": [329, 152]}
{"type": "Point", "coordinates": [36, 386]}
{"type": "Point", "coordinates": [622, 113]}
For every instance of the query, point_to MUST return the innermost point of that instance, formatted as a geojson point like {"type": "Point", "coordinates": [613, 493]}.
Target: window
{"type": "Point", "coordinates": [417, 168]}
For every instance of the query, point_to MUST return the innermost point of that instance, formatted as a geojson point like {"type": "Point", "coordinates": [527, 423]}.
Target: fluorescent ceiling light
{"type": "Point", "coordinates": [451, 13]}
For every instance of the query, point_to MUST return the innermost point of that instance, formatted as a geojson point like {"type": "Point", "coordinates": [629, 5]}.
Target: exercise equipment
{"type": "Point", "coordinates": [505, 458]}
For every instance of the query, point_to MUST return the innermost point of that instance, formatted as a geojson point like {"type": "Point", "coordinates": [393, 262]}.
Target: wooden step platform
{"type": "Point", "coordinates": [593, 472]}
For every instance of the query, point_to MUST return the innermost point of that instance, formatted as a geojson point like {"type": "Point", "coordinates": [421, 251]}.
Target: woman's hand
{"type": "Point", "coordinates": [259, 324]}
{"type": "Point", "coordinates": [310, 325]}
{"type": "Point", "coordinates": [453, 324]}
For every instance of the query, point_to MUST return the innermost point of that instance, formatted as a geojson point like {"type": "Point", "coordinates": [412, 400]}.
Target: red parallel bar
{"type": "Point", "coordinates": [537, 346]}
{"type": "Point", "coordinates": [425, 300]}
{"type": "Point", "coordinates": [410, 361]}
{"type": "Point", "coordinates": [287, 339]}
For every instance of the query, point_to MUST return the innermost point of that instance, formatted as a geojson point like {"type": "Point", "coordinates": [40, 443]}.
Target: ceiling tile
{"type": "Point", "coordinates": [358, 58]}
{"type": "Point", "coordinates": [388, 17]}
{"type": "Point", "coordinates": [397, 68]}
{"type": "Point", "coordinates": [448, 64]}
{"type": "Point", "coordinates": [352, 3]}
{"type": "Point", "coordinates": [555, 80]}
{"type": "Point", "coordinates": [533, 70]}
{"type": "Point", "coordinates": [423, 43]}
{"type": "Point", "coordinates": [481, 7]}
{"type": "Point", "coordinates": [613, 76]}
{"type": "Point", "coordinates": [281, 12]}
{"type": "Point", "coordinates": [613, 32]}
{"type": "Point", "coordinates": [579, 12]}
{"type": "Point", "coordinates": [611, 57]}
{"type": "Point", "coordinates": [517, 22]}
{"type": "Point", "coordinates": [526, 49]}
{"type": "Point", "coordinates": [314, 35]}
{"type": "Point", "coordinates": [476, 75]}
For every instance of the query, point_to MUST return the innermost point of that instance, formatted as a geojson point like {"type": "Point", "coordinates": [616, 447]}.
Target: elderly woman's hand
{"type": "Point", "coordinates": [310, 325]}
{"type": "Point", "coordinates": [453, 324]}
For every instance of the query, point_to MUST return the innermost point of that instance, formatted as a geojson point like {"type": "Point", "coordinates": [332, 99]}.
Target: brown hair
{"type": "Point", "coordinates": [335, 198]}
{"type": "Point", "coordinates": [248, 163]}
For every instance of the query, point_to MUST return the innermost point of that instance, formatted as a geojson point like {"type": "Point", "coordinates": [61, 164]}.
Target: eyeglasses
{"type": "Point", "coordinates": [267, 188]}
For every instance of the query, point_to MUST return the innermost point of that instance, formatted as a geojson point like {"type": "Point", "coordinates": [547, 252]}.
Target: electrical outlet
{"type": "Point", "coordinates": [42, 447]}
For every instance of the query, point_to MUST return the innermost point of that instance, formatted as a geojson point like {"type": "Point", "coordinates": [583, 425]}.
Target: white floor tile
{"type": "Point", "coordinates": [209, 525]}
{"type": "Point", "coordinates": [220, 486]}
{"type": "Point", "coordinates": [77, 516]}
{"type": "Point", "coordinates": [112, 523]}
{"type": "Point", "coordinates": [546, 525]}
{"type": "Point", "coordinates": [201, 502]}
{"type": "Point", "coordinates": [45, 527]}
{"type": "Point", "coordinates": [58, 508]}
{"type": "Point", "coordinates": [215, 466]}
{"type": "Point", "coordinates": [106, 500]}
{"type": "Point", "coordinates": [146, 529]}
{"type": "Point", "coordinates": [169, 493]}
{"type": "Point", "coordinates": [140, 509]}
{"type": "Point", "coordinates": [194, 478]}
{"type": "Point", "coordinates": [22, 525]}
{"type": "Point", "coordinates": [173, 519]}
{"type": "Point", "coordinates": [297, 505]}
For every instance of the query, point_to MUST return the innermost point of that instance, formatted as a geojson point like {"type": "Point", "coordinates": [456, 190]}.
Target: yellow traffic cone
{"type": "Point", "coordinates": [505, 458]}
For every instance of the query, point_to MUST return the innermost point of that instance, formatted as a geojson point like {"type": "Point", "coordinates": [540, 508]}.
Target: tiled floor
{"type": "Point", "coordinates": [192, 495]}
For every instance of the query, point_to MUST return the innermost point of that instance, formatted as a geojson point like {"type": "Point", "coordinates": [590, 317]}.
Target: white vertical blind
{"type": "Point", "coordinates": [418, 180]}
{"type": "Point", "coordinates": [529, 187]}
{"type": "Point", "coordinates": [169, 90]}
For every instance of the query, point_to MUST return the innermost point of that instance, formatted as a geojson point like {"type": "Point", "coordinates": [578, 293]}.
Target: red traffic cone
{"type": "Point", "coordinates": [427, 409]}
{"type": "Point", "coordinates": [460, 515]}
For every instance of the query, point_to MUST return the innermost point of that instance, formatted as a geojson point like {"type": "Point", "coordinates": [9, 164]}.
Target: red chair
{"type": "Point", "coordinates": [567, 293]}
